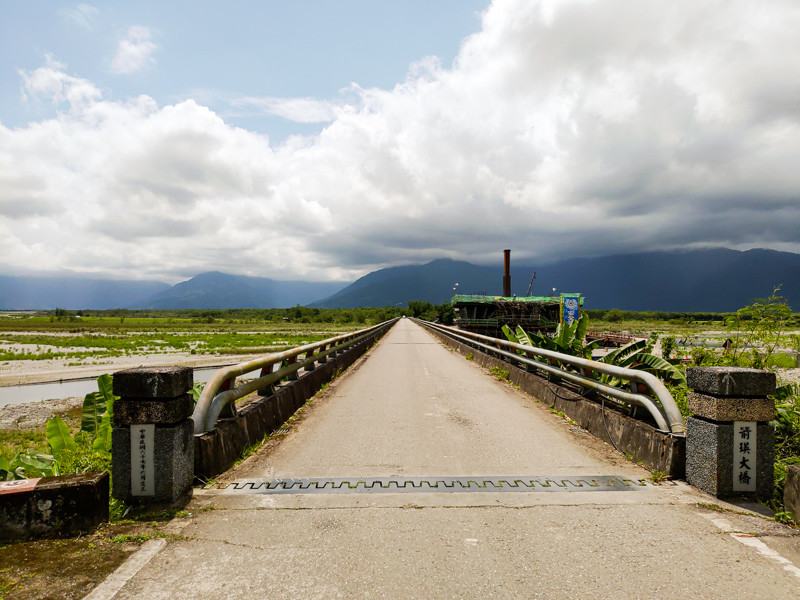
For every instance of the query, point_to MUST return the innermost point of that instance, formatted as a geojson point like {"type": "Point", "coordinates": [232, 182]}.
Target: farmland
{"type": "Point", "coordinates": [43, 346]}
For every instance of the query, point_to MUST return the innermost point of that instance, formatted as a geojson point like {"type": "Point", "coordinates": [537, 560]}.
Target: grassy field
{"type": "Point", "coordinates": [93, 335]}
{"type": "Point", "coordinates": [80, 345]}
{"type": "Point", "coordinates": [77, 336]}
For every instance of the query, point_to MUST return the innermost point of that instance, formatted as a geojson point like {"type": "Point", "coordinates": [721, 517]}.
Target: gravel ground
{"type": "Point", "coordinates": [33, 415]}
{"type": "Point", "coordinates": [22, 372]}
{"type": "Point", "coordinates": [788, 375]}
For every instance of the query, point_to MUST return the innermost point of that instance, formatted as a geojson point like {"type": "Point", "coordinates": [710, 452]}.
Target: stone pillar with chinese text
{"type": "Point", "coordinates": [730, 445]}
{"type": "Point", "coordinates": [153, 436]}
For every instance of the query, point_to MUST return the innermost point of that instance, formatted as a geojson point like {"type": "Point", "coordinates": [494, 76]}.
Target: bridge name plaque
{"type": "Point", "coordinates": [744, 456]}
{"type": "Point", "coordinates": [142, 460]}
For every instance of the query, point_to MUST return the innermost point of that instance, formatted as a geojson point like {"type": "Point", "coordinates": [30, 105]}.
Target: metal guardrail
{"type": "Point", "coordinates": [660, 404]}
{"type": "Point", "coordinates": [219, 392]}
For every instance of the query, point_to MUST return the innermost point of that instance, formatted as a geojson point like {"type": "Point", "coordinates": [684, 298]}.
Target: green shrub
{"type": "Point", "coordinates": [787, 438]}
{"type": "Point", "coordinates": [781, 360]}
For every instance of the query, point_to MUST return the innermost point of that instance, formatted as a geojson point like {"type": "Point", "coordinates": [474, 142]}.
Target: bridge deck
{"type": "Point", "coordinates": [412, 413]}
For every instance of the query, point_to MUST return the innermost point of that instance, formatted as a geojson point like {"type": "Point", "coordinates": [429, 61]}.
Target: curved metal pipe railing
{"type": "Point", "coordinates": [216, 395]}
{"type": "Point", "coordinates": [661, 405]}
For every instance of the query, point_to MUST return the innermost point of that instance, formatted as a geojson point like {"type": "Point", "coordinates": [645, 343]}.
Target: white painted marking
{"type": "Point", "coordinates": [125, 572]}
{"type": "Point", "coordinates": [753, 542]}
{"type": "Point", "coordinates": [764, 550]}
{"type": "Point", "coordinates": [721, 523]}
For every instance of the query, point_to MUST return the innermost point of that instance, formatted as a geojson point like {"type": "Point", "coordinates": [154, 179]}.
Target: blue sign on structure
{"type": "Point", "coordinates": [570, 308]}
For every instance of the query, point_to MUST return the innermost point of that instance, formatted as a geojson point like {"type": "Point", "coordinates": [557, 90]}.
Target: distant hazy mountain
{"type": "Point", "coordinates": [220, 290]}
{"type": "Point", "coordinates": [47, 293]}
{"type": "Point", "coordinates": [700, 280]}
{"type": "Point", "coordinates": [715, 280]}
{"type": "Point", "coordinates": [433, 282]}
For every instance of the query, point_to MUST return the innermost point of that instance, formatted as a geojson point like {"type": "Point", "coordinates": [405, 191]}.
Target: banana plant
{"type": "Point", "coordinates": [58, 437]}
{"type": "Point", "coordinates": [638, 355]}
{"type": "Point", "coordinates": [27, 464]}
{"type": "Point", "coordinates": [96, 418]}
{"type": "Point", "coordinates": [98, 412]}
{"type": "Point", "coordinates": [568, 339]}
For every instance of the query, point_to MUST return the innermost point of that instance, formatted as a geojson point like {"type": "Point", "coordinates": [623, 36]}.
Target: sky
{"type": "Point", "coordinates": [322, 140]}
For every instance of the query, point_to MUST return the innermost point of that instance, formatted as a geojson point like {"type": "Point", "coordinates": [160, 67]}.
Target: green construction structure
{"type": "Point", "coordinates": [487, 314]}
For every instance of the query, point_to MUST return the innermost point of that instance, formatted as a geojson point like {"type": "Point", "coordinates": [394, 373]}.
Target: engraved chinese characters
{"type": "Point", "coordinates": [142, 464]}
{"type": "Point", "coordinates": [744, 456]}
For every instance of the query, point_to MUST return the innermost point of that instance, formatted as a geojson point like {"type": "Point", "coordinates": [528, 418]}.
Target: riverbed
{"type": "Point", "coordinates": [70, 388]}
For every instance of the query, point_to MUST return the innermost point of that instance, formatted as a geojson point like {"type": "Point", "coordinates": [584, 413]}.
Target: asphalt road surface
{"type": "Point", "coordinates": [411, 408]}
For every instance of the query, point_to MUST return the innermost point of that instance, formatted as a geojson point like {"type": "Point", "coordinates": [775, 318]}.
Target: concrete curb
{"type": "Point", "coordinates": [53, 506]}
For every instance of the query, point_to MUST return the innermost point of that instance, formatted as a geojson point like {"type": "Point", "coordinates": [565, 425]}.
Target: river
{"type": "Point", "coordinates": [68, 388]}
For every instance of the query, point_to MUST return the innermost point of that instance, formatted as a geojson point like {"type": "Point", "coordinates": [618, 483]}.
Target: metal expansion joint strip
{"type": "Point", "coordinates": [393, 485]}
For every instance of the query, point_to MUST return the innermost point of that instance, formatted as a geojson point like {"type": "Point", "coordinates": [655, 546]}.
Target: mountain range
{"type": "Point", "coordinates": [207, 290]}
{"type": "Point", "coordinates": [220, 290]}
{"type": "Point", "coordinates": [715, 280]}
{"type": "Point", "coordinates": [47, 293]}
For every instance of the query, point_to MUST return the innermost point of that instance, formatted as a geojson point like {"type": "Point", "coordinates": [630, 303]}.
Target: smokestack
{"type": "Point", "coordinates": [507, 275]}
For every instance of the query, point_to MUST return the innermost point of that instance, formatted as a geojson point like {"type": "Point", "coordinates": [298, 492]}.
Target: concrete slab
{"type": "Point", "coordinates": [598, 551]}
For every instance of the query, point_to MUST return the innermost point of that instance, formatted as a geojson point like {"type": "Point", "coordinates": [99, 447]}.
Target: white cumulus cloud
{"type": "Point", "coordinates": [134, 52]}
{"type": "Point", "coordinates": [570, 128]}
{"type": "Point", "coordinates": [299, 110]}
{"type": "Point", "coordinates": [52, 83]}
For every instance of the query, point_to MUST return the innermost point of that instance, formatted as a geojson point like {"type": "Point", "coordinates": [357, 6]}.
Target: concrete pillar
{"type": "Point", "coordinates": [152, 441]}
{"type": "Point", "coordinates": [730, 445]}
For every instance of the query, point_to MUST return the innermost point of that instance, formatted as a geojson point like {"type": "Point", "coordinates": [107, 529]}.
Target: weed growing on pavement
{"type": "Point", "coordinates": [721, 509]}
{"type": "Point", "coordinates": [658, 477]}
{"type": "Point", "coordinates": [563, 416]}
{"type": "Point", "coordinates": [251, 449]}
{"type": "Point", "coordinates": [500, 373]}
{"type": "Point", "coordinates": [140, 538]}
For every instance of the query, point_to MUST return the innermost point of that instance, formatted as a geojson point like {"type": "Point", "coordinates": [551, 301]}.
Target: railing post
{"type": "Point", "coordinates": [152, 441]}
{"type": "Point", "coordinates": [730, 445]}
{"type": "Point", "coordinates": [229, 410]}
{"type": "Point", "coordinates": [269, 389]}
{"type": "Point", "coordinates": [310, 366]}
{"type": "Point", "coordinates": [293, 375]}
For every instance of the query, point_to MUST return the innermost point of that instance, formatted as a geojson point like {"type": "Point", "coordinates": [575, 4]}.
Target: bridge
{"type": "Point", "coordinates": [418, 473]}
